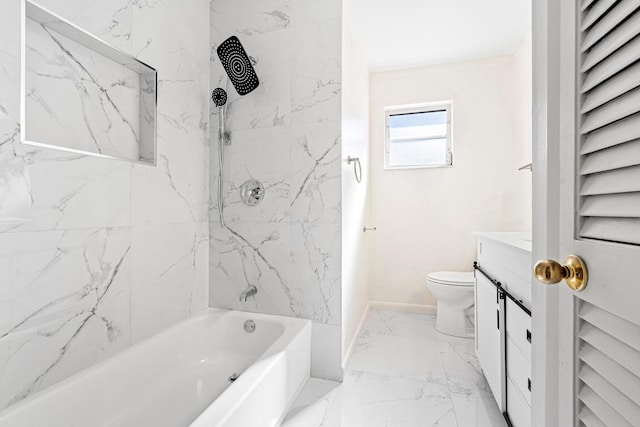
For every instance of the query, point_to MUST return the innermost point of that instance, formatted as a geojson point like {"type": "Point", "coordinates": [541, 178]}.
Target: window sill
{"type": "Point", "coordinates": [387, 168]}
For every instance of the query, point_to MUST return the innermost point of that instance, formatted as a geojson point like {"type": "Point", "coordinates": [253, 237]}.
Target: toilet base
{"type": "Point", "coordinates": [453, 322]}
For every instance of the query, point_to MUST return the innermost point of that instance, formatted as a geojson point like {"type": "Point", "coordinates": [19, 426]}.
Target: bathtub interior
{"type": "Point", "coordinates": [167, 380]}
{"type": "Point", "coordinates": [228, 327]}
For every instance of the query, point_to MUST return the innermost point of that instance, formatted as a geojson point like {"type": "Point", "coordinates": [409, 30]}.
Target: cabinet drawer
{"type": "Point", "coordinates": [519, 328]}
{"type": "Point", "coordinates": [517, 408]}
{"type": "Point", "coordinates": [519, 370]}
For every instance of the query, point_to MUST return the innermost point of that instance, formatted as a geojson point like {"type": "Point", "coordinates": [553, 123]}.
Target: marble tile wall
{"type": "Point", "coordinates": [286, 134]}
{"type": "Point", "coordinates": [113, 252]}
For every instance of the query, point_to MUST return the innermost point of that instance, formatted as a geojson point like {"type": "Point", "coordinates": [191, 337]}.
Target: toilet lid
{"type": "Point", "coordinates": [454, 278]}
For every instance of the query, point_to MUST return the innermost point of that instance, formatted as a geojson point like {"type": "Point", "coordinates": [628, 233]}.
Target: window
{"type": "Point", "coordinates": [418, 136]}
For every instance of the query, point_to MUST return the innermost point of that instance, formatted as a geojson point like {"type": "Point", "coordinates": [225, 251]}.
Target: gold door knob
{"type": "Point", "coordinates": [574, 272]}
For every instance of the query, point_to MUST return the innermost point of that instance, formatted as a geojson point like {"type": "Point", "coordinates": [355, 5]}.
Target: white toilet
{"type": "Point", "coordinates": [454, 292]}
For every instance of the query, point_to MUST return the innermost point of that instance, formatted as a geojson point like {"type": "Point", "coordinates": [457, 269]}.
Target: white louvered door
{"type": "Point", "coordinates": [600, 212]}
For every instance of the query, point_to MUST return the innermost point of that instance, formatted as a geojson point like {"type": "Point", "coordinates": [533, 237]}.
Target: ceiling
{"type": "Point", "coordinates": [399, 34]}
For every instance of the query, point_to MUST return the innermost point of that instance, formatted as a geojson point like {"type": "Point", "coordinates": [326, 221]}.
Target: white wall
{"type": "Point", "coordinates": [355, 143]}
{"type": "Point", "coordinates": [425, 217]}
{"type": "Point", "coordinates": [523, 123]}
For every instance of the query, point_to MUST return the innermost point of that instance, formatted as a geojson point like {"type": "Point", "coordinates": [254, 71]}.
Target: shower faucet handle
{"type": "Point", "coordinates": [256, 193]}
{"type": "Point", "coordinates": [252, 192]}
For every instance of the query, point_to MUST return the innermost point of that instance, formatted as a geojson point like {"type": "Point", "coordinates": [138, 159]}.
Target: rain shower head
{"type": "Point", "coordinates": [219, 97]}
{"type": "Point", "coordinates": [238, 65]}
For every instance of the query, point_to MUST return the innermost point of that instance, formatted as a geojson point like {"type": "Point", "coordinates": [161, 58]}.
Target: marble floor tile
{"type": "Point", "coordinates": [402, 374]}
{"type": "Point", "coordinates": [378, 400]}
{"type": "Point", "coordinates": [410, 325]}
{"type": "Point", "coordinates": [411, 358]}
{"type": "Point", "coordinates": [461, 366]}
{"type": "Point", "coordinates": [318, 405]}
{"type": "Point", "coordinates": [477, 411]}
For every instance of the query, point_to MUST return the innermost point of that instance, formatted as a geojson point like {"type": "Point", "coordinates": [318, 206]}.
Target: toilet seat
{"type": "Point", "coordinates": [452, 278]}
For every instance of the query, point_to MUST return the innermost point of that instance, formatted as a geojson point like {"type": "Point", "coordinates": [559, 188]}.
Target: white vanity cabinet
{"type": "Point", "coordinates": [503, 320]}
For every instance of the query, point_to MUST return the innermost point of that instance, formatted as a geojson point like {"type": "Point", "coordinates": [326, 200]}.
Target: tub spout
{"type": "Point", "coordinates": [252, 290]}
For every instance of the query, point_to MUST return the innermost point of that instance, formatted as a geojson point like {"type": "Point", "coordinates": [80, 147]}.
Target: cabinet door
{"type": "Point", "coordinates": [489, 345]}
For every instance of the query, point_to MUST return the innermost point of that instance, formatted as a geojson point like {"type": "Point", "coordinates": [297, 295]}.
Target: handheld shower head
{"type": "Point", "coordinates": [219, 97]}
{"type": "Point", "coordinates": [238, 65]}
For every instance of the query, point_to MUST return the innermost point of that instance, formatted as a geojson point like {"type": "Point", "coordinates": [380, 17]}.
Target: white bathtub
{"type": "Point", "coordinates": [180, 378]}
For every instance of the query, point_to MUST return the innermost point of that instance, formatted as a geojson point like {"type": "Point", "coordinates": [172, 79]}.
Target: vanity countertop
{"type": "Point", "coordinates": [520, 240]}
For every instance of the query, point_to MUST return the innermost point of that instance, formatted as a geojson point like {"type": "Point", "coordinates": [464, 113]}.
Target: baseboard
{"type": "Point", "coordinates": [399, 306]}
{"type": "Point", "coordinates": [352, 345]}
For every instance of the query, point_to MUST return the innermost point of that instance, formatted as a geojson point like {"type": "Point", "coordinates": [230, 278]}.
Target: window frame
{"type": "Point", "coordinates": [428, 107]}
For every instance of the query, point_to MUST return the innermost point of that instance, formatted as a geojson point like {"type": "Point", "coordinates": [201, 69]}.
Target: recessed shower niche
{"type": "Point", "coordinates": [82, 95]}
